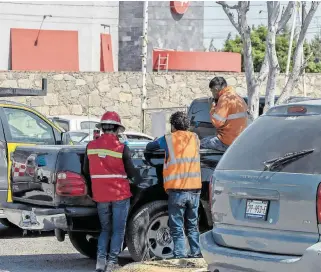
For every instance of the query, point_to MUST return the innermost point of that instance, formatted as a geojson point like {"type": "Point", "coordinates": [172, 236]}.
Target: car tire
{"type": "Point", "coordinates": [7, 223]}
{"type": "Point", "coordinates": [83, 244]}
{"type": "Point", "coordinates": [140, 226]}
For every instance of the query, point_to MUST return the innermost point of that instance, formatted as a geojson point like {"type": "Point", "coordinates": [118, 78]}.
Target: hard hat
{"type": "Point", "coordinates": [111, 118]}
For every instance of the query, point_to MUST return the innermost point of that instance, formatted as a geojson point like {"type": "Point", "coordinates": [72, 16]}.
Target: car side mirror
{"type": "Point", "coordinates": [65, 138]}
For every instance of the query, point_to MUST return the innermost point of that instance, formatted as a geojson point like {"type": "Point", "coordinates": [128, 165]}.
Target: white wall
{"type": "Point", "coordinates": [85, 17]}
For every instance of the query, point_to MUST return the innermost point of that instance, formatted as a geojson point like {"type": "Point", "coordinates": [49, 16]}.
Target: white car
{"type": "Point", "coordinates": [74, 122]}
{"type": "Point", "coordinates": [85, 136]}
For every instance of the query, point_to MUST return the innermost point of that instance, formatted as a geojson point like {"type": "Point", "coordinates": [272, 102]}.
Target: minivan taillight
{"type": "Point", "coordinates": [70, 184]}
{"type": "Point", "coordinates": [319, 203]}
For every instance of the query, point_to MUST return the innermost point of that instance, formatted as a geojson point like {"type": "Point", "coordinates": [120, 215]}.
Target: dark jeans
{"type": "Point", "coordinates": [112, 217]}
{"type": "Point", "coordinates": [184, 205]}
{"type": "Point", "coordinates": [212, 142]}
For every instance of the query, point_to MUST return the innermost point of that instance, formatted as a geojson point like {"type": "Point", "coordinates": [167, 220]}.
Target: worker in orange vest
{"type": "Point", "coordinates": [228, 115]}
{"type": "Point", "coordinates": [182, 182]}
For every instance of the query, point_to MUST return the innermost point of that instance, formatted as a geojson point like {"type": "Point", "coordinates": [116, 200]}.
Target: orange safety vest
{"type": "Point", "coordinates": [182, 168]}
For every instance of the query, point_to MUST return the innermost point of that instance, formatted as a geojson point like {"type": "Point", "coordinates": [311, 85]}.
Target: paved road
{"type": "Point", "coordinates": [40, 253]}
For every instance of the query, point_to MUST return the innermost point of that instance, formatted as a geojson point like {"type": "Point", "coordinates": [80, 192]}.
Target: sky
{"type": "Point", "coordinates": [217, 25]}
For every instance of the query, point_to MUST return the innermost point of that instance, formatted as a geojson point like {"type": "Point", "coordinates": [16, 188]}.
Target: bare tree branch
{"type": "Point", "coordinates": [230, 15]}
{"type": "Point", "coordinates": [297, 56]}
{"type": "Point", "coordinates": [223, 3]}
{"type": "Point", "coordinates": [286, 15]}
{"type": "Point", "coordinates": [274, 68]}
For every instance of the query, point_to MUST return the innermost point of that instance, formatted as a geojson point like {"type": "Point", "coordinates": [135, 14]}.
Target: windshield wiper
{"type": "Point", "coordinates": [286, 159]}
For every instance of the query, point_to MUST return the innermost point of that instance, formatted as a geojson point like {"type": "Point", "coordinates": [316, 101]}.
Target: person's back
{"type": "Point", "coordinates": [107, 171]}
{"type": "Point", "coordinates": [182, 182]}
{"type": "Point", "coordinates": [110, 165]}
{"type": "Point", "coordinates": [228, 116]}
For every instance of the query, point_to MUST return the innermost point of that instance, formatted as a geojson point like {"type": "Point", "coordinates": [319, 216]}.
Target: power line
{"type": "Point", "coordinates": [111, 6]}
{"type": "Point", "coordinates": [117, 18]}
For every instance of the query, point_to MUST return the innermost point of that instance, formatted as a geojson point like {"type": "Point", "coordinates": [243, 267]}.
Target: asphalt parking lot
{"type": "Point", "coordinates": [41, 252]}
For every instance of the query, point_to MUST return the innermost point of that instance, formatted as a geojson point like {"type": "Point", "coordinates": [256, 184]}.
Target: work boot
{"type": "Point", "coordinates": [111, 267]}
{"type": "Point", "coordinates": [197, 256]}
{"type": "Point", "coordinates": [100, 265]}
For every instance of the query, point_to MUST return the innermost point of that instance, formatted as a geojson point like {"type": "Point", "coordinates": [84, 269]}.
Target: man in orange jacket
{"type": "Point", "coordinates": [229, 115]}
{"type": "Point", "coordinates": [182, 182]}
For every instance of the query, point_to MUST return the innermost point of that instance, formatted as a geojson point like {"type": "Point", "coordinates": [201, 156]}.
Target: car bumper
{"type": "Point", "coordinates": [26, 217]}
{"type": "Point", "coordinates": [3, 197]}
{"type": "Point", "coordinates": [223, 259]}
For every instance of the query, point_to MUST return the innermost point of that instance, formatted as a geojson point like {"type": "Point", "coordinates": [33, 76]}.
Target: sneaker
{"type": "Point", "coordinates": [112, 267]}
{"type": "Point", "coordinates": [100, 265]}
{"type": "Point", "coordinates": [197, 256]}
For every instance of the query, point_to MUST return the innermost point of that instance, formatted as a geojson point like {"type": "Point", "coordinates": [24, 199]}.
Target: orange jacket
{"type": "Point", "coordinates": [182, 169]}
{"type": "Point", "coordinates": [229, 116]}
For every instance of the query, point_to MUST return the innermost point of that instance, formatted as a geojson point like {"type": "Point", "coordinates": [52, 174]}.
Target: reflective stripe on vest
{"type": "Point", "coordinates": [173, 159]}
{"type": "Point", "coordinates": [230, 117]}
{"type": "Point", "coordinates": [182, 176]}
{"type": "Point", "coordinates": [104, 153]}
{"type": "Point", "coordinates": [107, 176]}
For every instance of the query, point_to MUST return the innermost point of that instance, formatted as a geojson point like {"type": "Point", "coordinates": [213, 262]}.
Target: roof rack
{"type": "Point", "coordinates": [11, 92]}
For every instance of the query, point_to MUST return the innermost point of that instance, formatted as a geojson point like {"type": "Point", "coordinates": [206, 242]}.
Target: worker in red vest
{"type": "Point", "coordinates": [110, 165]}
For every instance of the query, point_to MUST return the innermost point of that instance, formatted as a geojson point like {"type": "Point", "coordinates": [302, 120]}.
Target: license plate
{"type": "Point", "coordinates": [256, 209]}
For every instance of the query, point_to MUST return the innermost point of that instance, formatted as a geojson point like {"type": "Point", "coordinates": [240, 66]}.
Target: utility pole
{"type": "Point", "coordinates": [144, 66]}
{"type": "Point", "coordinates": [290, 45]}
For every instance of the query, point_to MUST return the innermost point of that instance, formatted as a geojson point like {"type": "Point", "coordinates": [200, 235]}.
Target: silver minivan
{"type": "Point", "coordinates": [266, 195]}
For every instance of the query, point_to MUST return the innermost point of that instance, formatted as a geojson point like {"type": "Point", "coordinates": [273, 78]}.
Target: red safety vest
{"type": "Point", "coordinates": [108, 176]}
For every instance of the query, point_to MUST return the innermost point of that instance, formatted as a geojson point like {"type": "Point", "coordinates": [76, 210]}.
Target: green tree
{"type": "Point", "coordinates": [258, 39]}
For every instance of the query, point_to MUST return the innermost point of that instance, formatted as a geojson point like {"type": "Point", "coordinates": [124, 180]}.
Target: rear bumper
{"type": "Point", "coordinates": [44, 219]}
{"type": "Point", "coordinates": [3, 197]}
{"type": "Point", "coordinates": [224, 259]}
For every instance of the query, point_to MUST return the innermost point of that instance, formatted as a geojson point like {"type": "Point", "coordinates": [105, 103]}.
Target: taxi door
{"type": "Point", "coordinates": [24, 126]}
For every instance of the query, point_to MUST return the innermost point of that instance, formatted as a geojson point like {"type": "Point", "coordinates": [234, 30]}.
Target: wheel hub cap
{"type": "Point", "coordinates": [163, 236]}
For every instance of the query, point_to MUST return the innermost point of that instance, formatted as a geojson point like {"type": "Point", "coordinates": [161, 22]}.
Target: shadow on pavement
{"type": "Point", "coordinates": [49, 263]}
{"type": "Point", "coordinates": [10, 233]}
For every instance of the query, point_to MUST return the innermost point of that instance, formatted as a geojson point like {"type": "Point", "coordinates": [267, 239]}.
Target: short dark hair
{"type": "Point", "coordinates": [179, 120]}
{"type": "Point", "coordinates": [218, 83]}
{"type": "Point", "coordinates": [109, 128]}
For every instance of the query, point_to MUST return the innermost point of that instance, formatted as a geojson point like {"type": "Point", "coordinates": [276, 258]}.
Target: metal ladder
{"type": "Point", "coordinates": [160, 58]}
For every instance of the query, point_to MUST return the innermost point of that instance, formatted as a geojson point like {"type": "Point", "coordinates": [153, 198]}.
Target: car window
{"type": "Point", "coordinates": [78, 137]}
{"type": "Point", "coordinates": [27, 127]}
{"type": "Point", "coordinates": [88, 125]}
{"type": "Point", "coordinates": [64, 124]}
{"type": "Point", "coordinates": [200, 112]}
{"type": "Point", "coordinates": [137, 137]}
{"type": "Point", "coordinates": [270, 137]}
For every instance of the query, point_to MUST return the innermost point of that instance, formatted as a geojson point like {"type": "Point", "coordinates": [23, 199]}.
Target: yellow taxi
{"type": "Point", "coordinates": [21, 125]}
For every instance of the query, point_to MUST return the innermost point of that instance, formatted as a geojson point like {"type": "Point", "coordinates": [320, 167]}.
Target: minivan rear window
{"type": "Point", "coordinates": [270, 137]}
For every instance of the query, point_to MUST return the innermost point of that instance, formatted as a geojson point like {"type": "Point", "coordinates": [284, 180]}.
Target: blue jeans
{"type": "Point", "coordinates": [212, 142]}
{"type": "Point", "coordinates": [112, 217]}
{"type": "Point", "coordinates": [184, 205]}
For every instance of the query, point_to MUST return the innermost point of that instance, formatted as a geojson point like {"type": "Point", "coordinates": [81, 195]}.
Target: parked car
{"type": "Point", "coordinates": [266, 195]}
{"type": "Point", "coordinates": [21, 125]}
{"type": "Point", "coordinates": [85, 136]}
{"type": "Point", "coordinates": [198, 113]}
{"type": "Point", "coordinates": [73, 211]}
{"type": "Point", "coordinates": [74, 122]}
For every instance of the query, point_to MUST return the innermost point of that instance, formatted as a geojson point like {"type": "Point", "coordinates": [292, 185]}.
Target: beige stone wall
{"type": "Point", "coordinates": [94, 93]}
